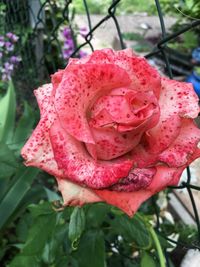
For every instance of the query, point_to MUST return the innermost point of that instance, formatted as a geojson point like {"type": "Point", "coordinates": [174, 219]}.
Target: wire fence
{"type": "Point", "coordinates": [39, 25]}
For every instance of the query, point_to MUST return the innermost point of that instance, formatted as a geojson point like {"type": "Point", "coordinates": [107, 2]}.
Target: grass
{"type": "Point", "coordinates": [124, 7]}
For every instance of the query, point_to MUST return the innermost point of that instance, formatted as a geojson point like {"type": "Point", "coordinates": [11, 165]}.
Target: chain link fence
{"type": "Point", "coordinates": [40, 26]}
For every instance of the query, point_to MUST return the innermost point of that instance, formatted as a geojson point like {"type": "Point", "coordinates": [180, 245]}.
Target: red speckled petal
{"type": "Point", "coordinates": [79, 88]}
{"type": "Point", "coordinates": [38, 151]}
{"type": "Point", "coordinates": [56, 78]}
{"type": "Point", "coordinates": [131, 108]}
{"type": "Point", "coordinates": [74, 194]}
{"type": "Point", "coordinates": [163, 134]}
{"type": "Point", "coordinates": [118, 121]}
{"type": "Point", "coordinates": [143, 76]}
{"type": "Point", "coordinates": [102, 56]}
{"type": "Point", "coordinates": [180, 98]}
{"type": "Point", "coordinates": [141, 157]}
{"type": "Point", "coordinates": [78, 166]}
{"type": "Point", "coordinates": [137, 179]}
{"type": "Point", "coordinates": [111, 144]}
{"type": "Point", "coordinates": [43, 95]}
{"type": "Point", "coordinates": [129, 202]}
{"type": "Point", "coordinates": [183, 147]}
{"type": "Point", "coordinates": [177, 100]}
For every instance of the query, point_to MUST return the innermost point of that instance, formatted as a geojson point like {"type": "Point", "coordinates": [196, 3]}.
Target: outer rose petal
{"type": "Point", "coordinates": [183, 147]}
{"type": "Point", "coordinates": [38, 150]}
{"type": "Point", "coordinates": [79, 88]}
{"type": "Point", "coordinates": [78, 166]}
{"type": "Point", "coordinates": [177, 100]}
{"type": "Point", "coordinates": [129, 202]}
{"type": "Point", "coordinates": [74, 194]}
{"type": "Point", "coordinates": [43, 95]}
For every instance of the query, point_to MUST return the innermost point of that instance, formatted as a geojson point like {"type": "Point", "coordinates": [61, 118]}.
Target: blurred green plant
{"type": "Point", "coordinates": [15, 179]}
{"type": "Point", "coordinates": [2, 16]}
{"type": "Point", "coordinates": [125, 7]}
{"type": "Point", "coordinates": [139, 42]}
{"type": "Point", "coordinates": [186, 42]}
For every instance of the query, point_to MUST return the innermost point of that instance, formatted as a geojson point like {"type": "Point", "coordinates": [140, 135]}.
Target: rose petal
{"type": "Point", "coordinates": [56, 78]}
{"type": "Point", "coordinates": [111, 144]}
{"type": "Point", "coordinates": [38, 150]}
{"type": "Point", "coordinates": [131, 108]}
{"type": "Point", "coordinates": [118, 122]}
{"type": "Point", "coordinates": [163, 134]}
{"type": "Point", "coordinates": [74, 194]}
{"type": "Point", "coordinates": [183, 147]}
{"type": "Point", "coordinates": [141, 157]}
{"type": "Point", "coordinates": [43, 95]}
{"type": "Point", "coordinates": [129, 202]}
{"type": "Point", "coordinates": [144, 77]}
{"type": "Point", "coordinates": [78, 166]}
{"type": "Point", "coordinates": [80, 86]}
{"type": "Point", "coordinates": [177, 99]}
{"type": "Point", "coordinates": [137, 179]}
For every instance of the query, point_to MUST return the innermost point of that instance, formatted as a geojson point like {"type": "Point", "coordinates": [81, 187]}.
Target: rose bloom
{"type": "Point", "coordinates": [112, 129]}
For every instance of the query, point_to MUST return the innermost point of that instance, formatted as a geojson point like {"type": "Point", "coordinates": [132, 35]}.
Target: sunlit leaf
{"type": "Point", "coordinates": [147, 260]}
{"type": "Point", "coordinates": [7, 114]}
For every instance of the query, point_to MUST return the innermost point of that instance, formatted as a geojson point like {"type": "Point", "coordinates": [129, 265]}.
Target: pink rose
{"type": "Point", "coordinates": [112, 129]}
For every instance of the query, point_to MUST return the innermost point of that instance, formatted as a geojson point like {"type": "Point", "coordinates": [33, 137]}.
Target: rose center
{"type": "Point", "coordinates": [118, 120]}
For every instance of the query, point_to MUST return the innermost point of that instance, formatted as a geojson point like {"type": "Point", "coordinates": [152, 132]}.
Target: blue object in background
{"type": "Point", "coordinates": [196, 54]}
{"type": "Point", "coordinates": [194, 78]}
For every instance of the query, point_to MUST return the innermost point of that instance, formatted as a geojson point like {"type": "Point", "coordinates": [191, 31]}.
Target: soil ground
{"type": "Point", "coordinates": [105, 35]}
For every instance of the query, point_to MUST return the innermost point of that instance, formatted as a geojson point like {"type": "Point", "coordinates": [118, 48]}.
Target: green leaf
{"type": "Point", "coordinates": [23, 226]}
{"type": "Point", "coordinates": [76, 225]}
{"type": "Point", "coordinates": [24, 126]}
{"type": "Point", "coordinates": [41, 209]}
{"type": "Point", "coordinates": [97, 214]}
{"type": "Point", "coordinates": [66, 261]}
{"type": "Point", "coordinates": [41, 231]}
{"type": "Point", "coordinates": [16, 192]}
{"type": "Point", "coordinates": [147, 260]}
{"type": "Point", "coordinates": [133, 230]}
{"type": "Point", "coordinates": [58, 246]}
{"type": "Point", "coordinates": [24, 261]}
{"type": "Point", "coordinates": [91, 250]}
{"type": "Point", "coordinates": [7, 114]}
{"type": "Point", "coordinates": [8, 163]}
